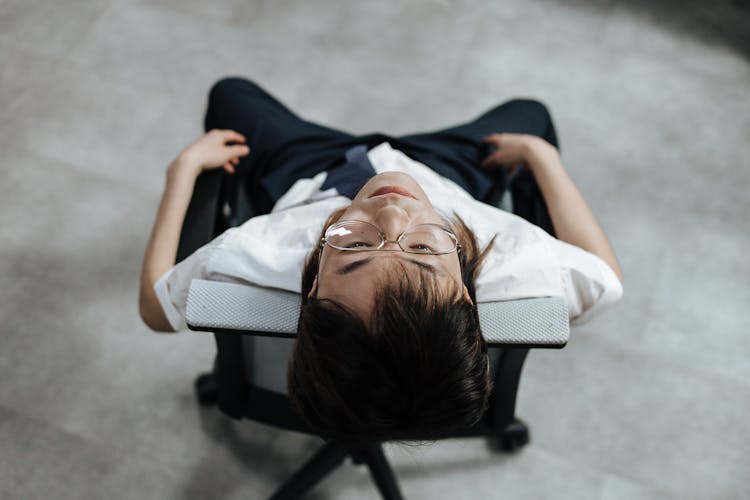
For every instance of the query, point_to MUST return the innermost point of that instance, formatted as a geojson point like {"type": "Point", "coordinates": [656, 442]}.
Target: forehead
{"type": "Point", "coordinates": [354, 279]}
{"type": "Point", "coordinates": [354, 273]}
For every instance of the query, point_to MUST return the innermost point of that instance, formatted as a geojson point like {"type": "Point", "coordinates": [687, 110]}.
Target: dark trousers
{"type": "Point", "coordinates": [286, 148]}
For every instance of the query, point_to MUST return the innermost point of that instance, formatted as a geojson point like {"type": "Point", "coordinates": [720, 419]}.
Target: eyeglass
{"type": "Point", "coordinates": [360, 236]}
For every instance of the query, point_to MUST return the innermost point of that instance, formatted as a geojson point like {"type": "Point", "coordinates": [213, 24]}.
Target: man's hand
{"type": "Point", "coordinates": [215, 149]}
{"type": "Point", "coordinates": [513, 151]}
{"type": "Point", "coordinates": [571, 216]}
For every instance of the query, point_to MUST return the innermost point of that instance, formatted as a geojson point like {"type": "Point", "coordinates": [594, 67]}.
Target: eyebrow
{"type": "Point", "coordinates": [353, 266]}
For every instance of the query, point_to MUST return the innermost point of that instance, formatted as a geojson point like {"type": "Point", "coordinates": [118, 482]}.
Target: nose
{"type": "Point", "coordinates": [392, 220]}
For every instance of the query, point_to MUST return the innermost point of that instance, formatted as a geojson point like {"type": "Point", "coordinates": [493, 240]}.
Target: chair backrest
{"type": "Point", "coordinates": [248, 321]}
{"type": "Point", "coordinates": [264, 312]}
{"type": "Point", "coordinates": [221, 306]}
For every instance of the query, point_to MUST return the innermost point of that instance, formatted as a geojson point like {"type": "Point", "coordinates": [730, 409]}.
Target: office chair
{"type": "Point", "coordinates": [246, 319]}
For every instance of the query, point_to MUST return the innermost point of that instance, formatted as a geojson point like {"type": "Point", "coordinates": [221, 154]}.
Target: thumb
{"type": "Point", "coordinates": [238, 150]}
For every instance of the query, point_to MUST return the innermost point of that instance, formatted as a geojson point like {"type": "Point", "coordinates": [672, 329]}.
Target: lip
{"type": "Point", "coordinates": [392, 190]}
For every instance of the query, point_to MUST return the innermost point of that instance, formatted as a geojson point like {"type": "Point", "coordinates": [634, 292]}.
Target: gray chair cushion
{"type": "Point", "coordinates": [214, 305]}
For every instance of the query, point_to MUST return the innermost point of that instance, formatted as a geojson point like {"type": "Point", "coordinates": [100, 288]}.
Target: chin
{"type": "Point", "coordinates": [396, 178]}
{"type": "Point", "coordinates": [384, 179]}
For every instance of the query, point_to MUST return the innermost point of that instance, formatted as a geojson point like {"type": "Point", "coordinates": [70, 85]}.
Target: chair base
{"type": "Point", "coordinates": [328, 458]}
{"type": "Point", "coordinates": [207, 389]}
{"type": "Point", "coordinates": [513, 437]}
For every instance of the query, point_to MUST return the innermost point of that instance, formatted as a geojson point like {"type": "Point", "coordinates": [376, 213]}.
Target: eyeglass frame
{"type": "Point", "coordinates": [384, 240]}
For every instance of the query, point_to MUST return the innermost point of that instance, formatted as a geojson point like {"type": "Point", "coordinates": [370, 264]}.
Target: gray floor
{"type": "Point", "coordinates": [653, 109]}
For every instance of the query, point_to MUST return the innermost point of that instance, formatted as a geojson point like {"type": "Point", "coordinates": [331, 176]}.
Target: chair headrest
{"type": "Point", "coordinates": [221, 306]}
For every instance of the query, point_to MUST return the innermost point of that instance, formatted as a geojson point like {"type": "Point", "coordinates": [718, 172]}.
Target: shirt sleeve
{"type": "Point", "coordinates": [172, 288]}
{"type": "Point", "coordinates": [590, 285]}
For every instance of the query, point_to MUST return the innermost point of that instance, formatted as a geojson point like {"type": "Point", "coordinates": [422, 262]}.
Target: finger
{"type": "Point", "coordinates": [235, 161]}
{"type": "Point", "coordinates": [229, 168]}
{"type": "Point", "coordinates": [238, 150]}
{"type": "Point", "coordinates": [492, 160]}
{"type": "Point", "coordinates": [493, 138]}
{"type": "Point", "coordinates": [232, 135]}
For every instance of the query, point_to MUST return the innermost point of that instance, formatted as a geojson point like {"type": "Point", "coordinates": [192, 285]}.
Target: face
{"type": "Point", "coordinates": [394, 202]}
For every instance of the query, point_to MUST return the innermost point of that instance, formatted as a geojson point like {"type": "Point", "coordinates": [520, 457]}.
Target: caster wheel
{"type": "Point", "coordinates": [207, 389]}
{"type": "Point", "coordinates": [514, 436]}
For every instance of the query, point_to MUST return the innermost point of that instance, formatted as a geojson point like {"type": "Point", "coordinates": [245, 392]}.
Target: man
{"type": "Point", "coordinates": [397, 244]}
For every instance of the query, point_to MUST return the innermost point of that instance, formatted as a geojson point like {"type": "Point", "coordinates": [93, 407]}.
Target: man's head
{"type": "Point", "coordinates": [393, 202]}
{"type": "Point", "coordinates": [389, 345]}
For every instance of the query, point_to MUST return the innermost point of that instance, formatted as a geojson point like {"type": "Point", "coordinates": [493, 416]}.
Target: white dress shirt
{"type": "Point", "coordinates": [269, 250]}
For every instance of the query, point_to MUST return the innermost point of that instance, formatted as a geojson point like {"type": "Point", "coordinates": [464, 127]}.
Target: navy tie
{"type": "Point", "coordinates": [349, 178]}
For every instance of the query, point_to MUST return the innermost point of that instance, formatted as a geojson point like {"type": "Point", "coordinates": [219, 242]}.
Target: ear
{"type": "Point", "coordinates": [467, 297]}
{"type": "Point", "coordinates": [314, 288]}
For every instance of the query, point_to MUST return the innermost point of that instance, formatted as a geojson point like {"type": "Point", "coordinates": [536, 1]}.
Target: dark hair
{"type": "Point", "coordinates": [418, 372]}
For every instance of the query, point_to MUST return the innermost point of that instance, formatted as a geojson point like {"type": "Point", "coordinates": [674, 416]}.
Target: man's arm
{"type": "Point", "coordinates": [208, 152]}
{"type": "Point", "coordinates": [571, 216]}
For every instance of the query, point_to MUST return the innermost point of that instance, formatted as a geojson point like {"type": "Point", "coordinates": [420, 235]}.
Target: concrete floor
{"type": "Point", "coordinates": [652, 105]}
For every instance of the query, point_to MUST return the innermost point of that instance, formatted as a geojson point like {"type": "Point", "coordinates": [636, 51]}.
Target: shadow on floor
{"type": "Point", "coordinates": [722, 22]}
